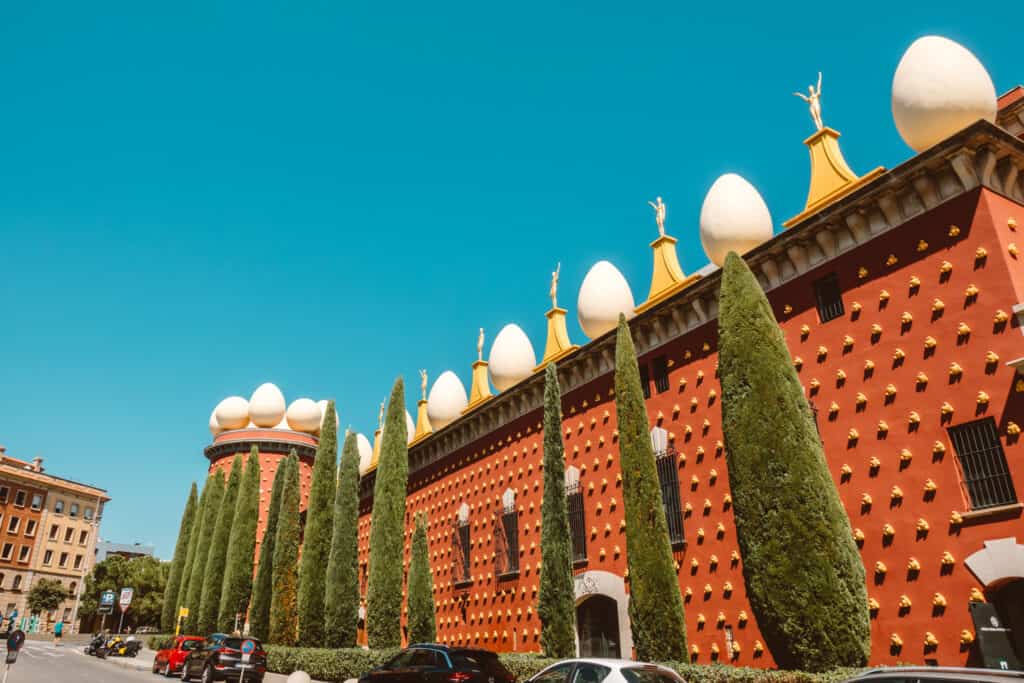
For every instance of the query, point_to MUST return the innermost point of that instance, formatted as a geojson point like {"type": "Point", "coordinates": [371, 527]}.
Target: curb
{"type": "Point", "coordinates": [124, 662]}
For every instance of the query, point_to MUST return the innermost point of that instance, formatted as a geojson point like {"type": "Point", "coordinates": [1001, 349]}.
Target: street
{"type": "Point", "coordinates": [41, 661]}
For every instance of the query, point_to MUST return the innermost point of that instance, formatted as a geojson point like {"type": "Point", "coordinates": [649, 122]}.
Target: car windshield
{"type": "Point", "coordinates": [649, 674]}
{"type": "Point", "coordinates": [190, 644]}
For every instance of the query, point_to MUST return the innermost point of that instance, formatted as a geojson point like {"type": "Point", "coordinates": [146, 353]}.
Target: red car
{"type": "Point", "coordinates": [169, 660]}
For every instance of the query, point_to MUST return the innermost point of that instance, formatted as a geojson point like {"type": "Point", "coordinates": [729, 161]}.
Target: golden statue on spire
{"type": "Point", "coordinates": [659, 215]}
{"type": "Point", "coordinates": [423, 384]}
{"type": "Point", "coordinates": [380, 416]}
{"type": "Point", "coordinates": [813, 100]}
{"type": "Point", "coordinates": [554, 285]}
{"type": "Point", "coordinates": [480, 345]}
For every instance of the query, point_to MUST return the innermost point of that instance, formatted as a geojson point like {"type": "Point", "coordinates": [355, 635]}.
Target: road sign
{"type": "Point", "coordinates": [126, 598]}
{"type": "Point", "coordinates": [14, 643]}
{"type": "Point", "coordinates": [106, 605]}
{"type": "Point", "coordinates": [248, 647]}
{"type": "Point", "coordinates": [183, 612]}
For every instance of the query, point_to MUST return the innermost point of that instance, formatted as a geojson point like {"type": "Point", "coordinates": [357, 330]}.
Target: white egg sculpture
{"type": "Point", "coordinates": [733, 217]}
{"type": "Point", "coordinates": [939, 88]}
{"type": "Point", "coordinates": [603, 295]}
{"type": "Point", "coordinates": [232, 413]}
{"type": "Point", "coordinates": [410, 427]}
{"type": "Point", "coordinates": [365, 453]}
{"type": "Point", "coordinates": [267, 406]}
{"type": "Point", "coordinates": [304, 415]}
{"type": "Point", "coordinates": [322, 403]}
{"type": "Point", "coordinates": [215, 427]}
{"type": "Point", "coordinates": [512, 357]}
{"type": "Point", "coordinates": [447, 400]}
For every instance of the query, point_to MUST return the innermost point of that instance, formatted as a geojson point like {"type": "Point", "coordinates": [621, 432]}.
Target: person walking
{"type": "Point", "coordinates": [58, 631]}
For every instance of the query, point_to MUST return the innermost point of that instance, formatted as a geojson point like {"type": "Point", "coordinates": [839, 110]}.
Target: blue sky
{"type": "Point", "coordinates": [196, 198]}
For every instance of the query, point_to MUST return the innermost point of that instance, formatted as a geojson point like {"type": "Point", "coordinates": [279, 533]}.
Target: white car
{"type": "Point", "coordinates": [605, 671]}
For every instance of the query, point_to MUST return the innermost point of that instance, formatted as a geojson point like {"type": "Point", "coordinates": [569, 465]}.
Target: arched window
{"type": "Point", "coordinates": [577, 520]}
{"type": "Point", "coordinates": [461, 547]}
{"type": "Point", "coordinates": [668, 479]}
{"type": "Point", "coordinates": [507, 537]}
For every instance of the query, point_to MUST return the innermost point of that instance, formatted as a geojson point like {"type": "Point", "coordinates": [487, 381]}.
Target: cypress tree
{"type": "Point", "coordinates": [316, 543]}
{"type": "Point", "coordinates": [209, 603]}
{"type": "Point", "coordinates": [804, 578]}
{"type": "Point", "coordinates": [655, 604]}
{"type": "Point", "coordinates": [422, 625]}
{"type": "Point", "coordinates": [170, 609]}
{"type": "Point", "coordinates": [263, 586]}
{"type": "Point", "coordinates": [387, 529]}
{"type": "Point", "coordinates": [215, 486]}
{"type": "Point", "coordinates": [235, 592]}
{"type": "Point", "coordinates": [341, 604]}
{"type": "Point", "coordinates": [556, 604]}
{"type": "Point", "coordinates": [284, 615]}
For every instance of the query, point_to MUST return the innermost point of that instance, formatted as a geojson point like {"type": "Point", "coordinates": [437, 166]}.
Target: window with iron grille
{"type": "Point", "coordinates": [668, 479]}
{"type": "Point", "coordinates": [645, 380]}
{"type": "Point", "coordinates": [460, 547]}
{"type": "Point", "coordinates": [660, 366]}
{"type": "Point", "coordinates": [577, 522]}
{"type": "Point", "coordinates": [829, 298]}
{"type": "Point", "coordinates": [506, 538]}
{"type": "Point", "coordinates": [983, 464]}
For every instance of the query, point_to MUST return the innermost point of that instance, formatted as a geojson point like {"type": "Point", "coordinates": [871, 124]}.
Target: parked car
{"type": "Point", "coordinates": [431, 663]}
{"type": "Point", "coordinates": [937, 674]}
{"type": "Point", "coordinates": [168, 660]}
{"type": "Point", "coordinates": [605, 671]}
{"type": "Point", "coordinates": [145, 630]}
{"type": "Point", "coordinates": [224, 658]}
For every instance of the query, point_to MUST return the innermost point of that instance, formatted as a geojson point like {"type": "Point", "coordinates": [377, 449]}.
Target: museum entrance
{"type": "Point", "coordinates": [597, 620]}
{"type": "Point", "coordinates": [1008, 599]}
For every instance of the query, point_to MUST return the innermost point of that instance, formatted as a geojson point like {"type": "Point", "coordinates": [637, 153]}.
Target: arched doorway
{"type": "Point", "coordinates": [597, 620]}
{"type": "Point", "coordinates": [1008, 599]}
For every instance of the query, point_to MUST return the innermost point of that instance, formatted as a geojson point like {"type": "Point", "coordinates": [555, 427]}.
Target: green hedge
{"type": "Point", "coordinates": [323, 664]}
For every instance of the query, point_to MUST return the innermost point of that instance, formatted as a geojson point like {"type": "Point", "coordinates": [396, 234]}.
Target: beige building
{"type": "Point", "coordinates": [49, 527]}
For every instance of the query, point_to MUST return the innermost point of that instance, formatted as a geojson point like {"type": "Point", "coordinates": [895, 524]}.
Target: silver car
{"type": "Point", "coordinates": [605, 671]}
{"type": "Point", "coordinates": [937, 674]}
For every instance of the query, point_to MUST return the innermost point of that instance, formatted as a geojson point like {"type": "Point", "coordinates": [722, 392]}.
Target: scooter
{"type": "Point", "coordinates": [95, 644]}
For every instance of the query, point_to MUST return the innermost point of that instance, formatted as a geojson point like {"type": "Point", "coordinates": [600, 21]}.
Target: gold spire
{"type": "Point", "coordinates": [558, 345]}
{"type": "Point", "coordinates": [480, 391]}
{"type": "Point", "coordinates": [376, 450]}
{"type": "Point", "coordinates": [423, 427]}
{"type": "Point", "coordinates": [667, 278]}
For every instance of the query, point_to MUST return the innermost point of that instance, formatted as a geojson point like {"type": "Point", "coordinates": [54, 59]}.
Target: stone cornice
{"type": "Point", "coordinates": [981, 155]}
{"type": "Point", "coordinates": [219, 450]}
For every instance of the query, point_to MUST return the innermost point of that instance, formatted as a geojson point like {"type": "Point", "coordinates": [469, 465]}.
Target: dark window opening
{"type": "Point", "coordinates": [660, 365]}
{"type": "Point", "coordinates": [577, 522]}
{"type": "Point", "coordinates": [668, 478]}
{"type": "Point", "coordinates": [983, 463]}
{"type": "Point", "coordinates": [460, 554]}
{"type": "Point", "coordinates": [508, 542]}
{"type": "Point", "coordinates": [645, 380]}
{"type": "Point", "coordinates": [829, 298]}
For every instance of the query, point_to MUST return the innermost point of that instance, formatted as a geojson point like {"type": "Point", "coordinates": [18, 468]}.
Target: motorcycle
{"type": "Point", "coordinates": [119, 647]}
{"type": "Point", "coordinates": [94, 645]}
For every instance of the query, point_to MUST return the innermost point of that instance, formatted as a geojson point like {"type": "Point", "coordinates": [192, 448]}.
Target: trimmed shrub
{"type": "Point", "coordinates": [387, 529]}
{"type": "Point", "coordinates": [284, 603]}
{"type": "Point", "coordinates": [214, 581]}
{"type": "Point", "coordinates": [213, 493]}
{"type": "Point", "coordinates": [341, 604]}
{"type": "Point", "coordinates": [556, 603]}
{"type": "Point", "coordinates": [811, 606]}
{"type": "Point", "coordinates": [316, 543]}
{"type": "Point", "coordinates": [655, 603]}
{"type": "Point", "coordinates": [263, 586]}
{"type": "Point", "coordinates": [237, 588]}
{"type": "Point", "coordinates": [169, 614]}
{"type": "Point", "coordinates": [324, 664]}
{"type": "Point", "coordinates": [422, 622]}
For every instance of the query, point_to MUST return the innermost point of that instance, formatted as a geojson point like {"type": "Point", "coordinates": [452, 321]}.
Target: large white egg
{"type": "Point", "coordinates": [410, 427]}
{"type": "Point", "coordinates": [447, 400]}
{"type": "Point", "coordinates": [939, 88]}
{"type": "Point", "coordinates": [322, 403]}
{"type": "Point", "coordinates": [215, 427]}
{"type": "Point", "coordinates": [267, 406]}
{"type": "Point", "coordinates": [304, 415]}
{"type": "Point", "coordinates": [603, 295]}
{"type": "Point", "coordinates": [365, 453]}
{"type": "Point", "coordinates": [733, 217]}
{"type": "Point", "coordinates": [512, 357]}
{"type": "Point", "coordinates": [232, 413]}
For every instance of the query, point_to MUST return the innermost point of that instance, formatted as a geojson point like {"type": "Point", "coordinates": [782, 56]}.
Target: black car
{"type": "Point", "coordinates": [226, 658]}
{"type": "Point", "coordinates": [431, 663]}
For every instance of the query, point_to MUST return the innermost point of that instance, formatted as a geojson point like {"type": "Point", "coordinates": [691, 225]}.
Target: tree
{"type": "Point", "coordinates": [237, 588]}
{"type": "Point", "coordinates": [263, 586]}
{"type": "Point", "coordinates": [214, 582]}
{"type": "Point", "coordinates": [284, 603]}
{"type": "Point", "coordinates": [387, 529]}
{"type": "Point", "coordinates": [341, 604]}
{"type": "Point", "coordinates": [422, 625]}
{"type": "Point", "coordinates": [170, 611]}
{"type": "Point", "coordinates": [46, 596]}
{"type": "Point", "coordinates": [655, 604]}
{"type": "Point", "coordinates": [147, 575]}
{"type": "Point", "coordinates": [556, 604]}
{"type": "Point", "coordinates": [316, 544]}
{"type": "Point", "coordinates": [193, 544]}
{"type": "Point", "coordinates": [804, 578]}
{"type": "Point", "coordinates": [198, 577]}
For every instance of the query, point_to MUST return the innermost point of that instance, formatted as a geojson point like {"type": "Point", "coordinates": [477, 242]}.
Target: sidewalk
{"type": "Point", "coordinates": [144, 662]}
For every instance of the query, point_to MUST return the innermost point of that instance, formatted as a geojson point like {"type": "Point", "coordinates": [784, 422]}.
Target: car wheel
{"type": "Point", "coordinates": [167, 669]}
{"type": "Point", "coordinates": [207, 675]}
{"type": "Point", "coordinates": [156, 667]}
{"type": "Point", "coordinates": [184, 672]}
